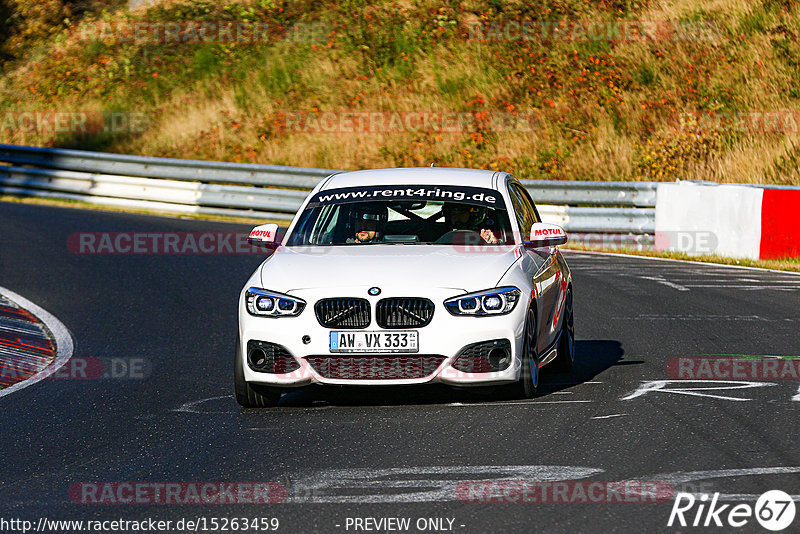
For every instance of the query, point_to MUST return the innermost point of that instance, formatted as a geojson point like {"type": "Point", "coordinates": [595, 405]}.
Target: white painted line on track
{"type": "Point", "coordinates": [191, 407]}
{"type": "Point", "coordinates": [515, 403]}
{"type": "Point", "coordinates": [194, 406]}
{"type": "Point", "coordinates": [660, 317]}
{"type": "Point", "coordinates": [663, 281]}
{"type": "Point", "coordinates": [721, 282]}
{"type": "Point", "coordinates": [64, 344]}
{"type": "Point", "coordinates": [417, 484]}
{"type": "Point", "coordinates": [609, 416]}
{"type": "Point", "coordinates": [687, 477]}
{"type": "Point", "coordinates": [569, 383]}
{"type": "Point", "coordinates": [441, 483]}
{"type": "Point", "coordinates": [723, 286]}
{"type": "Point", "coordinates": [677, 387]}
{"type": "Point", "coordinates": [682, 477]}
{"type": "Point", "coordinates": [695, 262]}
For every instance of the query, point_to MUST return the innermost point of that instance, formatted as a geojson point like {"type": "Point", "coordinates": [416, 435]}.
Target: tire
{"type": "Point", "coordinates": [250, 396]}
{"type": "Point", "coordinates": [528, 381]}
{"type": "Point", "coordinates": [566, 343]}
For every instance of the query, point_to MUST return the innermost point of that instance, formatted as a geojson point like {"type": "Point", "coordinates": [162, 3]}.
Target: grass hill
{"type": "Point", "coordinates": [546, 89]}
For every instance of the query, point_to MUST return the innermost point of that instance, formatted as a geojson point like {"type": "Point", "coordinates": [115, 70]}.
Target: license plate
{"type": "Point", "coordinates": [401, 341]}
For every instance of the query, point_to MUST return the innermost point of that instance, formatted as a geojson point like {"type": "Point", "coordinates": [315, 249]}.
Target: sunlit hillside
{"type": "Point", "coordinates": [550, 89]}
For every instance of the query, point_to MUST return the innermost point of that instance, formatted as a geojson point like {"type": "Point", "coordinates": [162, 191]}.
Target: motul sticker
{"type": "Point", "coordinates": [548, 231]}
{"type": "Point", "coordinates": [261, 233]}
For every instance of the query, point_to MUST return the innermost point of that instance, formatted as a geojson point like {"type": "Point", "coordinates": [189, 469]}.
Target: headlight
{"type": "Point", "coordinates": [497, 301]}
{"type": "Point", "coordinates": [263, 303]}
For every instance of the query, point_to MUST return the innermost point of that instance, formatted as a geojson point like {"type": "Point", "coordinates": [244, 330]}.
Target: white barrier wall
{"type": "Point", "coordinates": [700, 218]}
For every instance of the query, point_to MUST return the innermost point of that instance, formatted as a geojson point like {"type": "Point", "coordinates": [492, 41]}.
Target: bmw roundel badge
{"type": "Point", "coordinates": [374, 291]}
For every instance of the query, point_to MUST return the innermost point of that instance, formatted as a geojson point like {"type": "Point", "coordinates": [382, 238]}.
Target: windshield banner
{"type": "Point", "coordinates": [441, 193]}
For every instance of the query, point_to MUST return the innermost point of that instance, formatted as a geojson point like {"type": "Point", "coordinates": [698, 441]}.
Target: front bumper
{"type": "Point", "coordinates": [444, 337]}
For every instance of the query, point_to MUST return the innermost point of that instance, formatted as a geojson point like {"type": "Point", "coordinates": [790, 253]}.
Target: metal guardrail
{"type": "Point", "coordinates": [600, 220]}
{"type": "Point", "coordinates": [638, 194]}
{"type": "Point", "coordinates": [176, 169]}
{"type": "Point", "coordinates": [276, 192]}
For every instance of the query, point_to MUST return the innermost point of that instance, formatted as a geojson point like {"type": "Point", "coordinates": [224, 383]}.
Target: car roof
{"type": "Point", "coordinates": [412, 176]}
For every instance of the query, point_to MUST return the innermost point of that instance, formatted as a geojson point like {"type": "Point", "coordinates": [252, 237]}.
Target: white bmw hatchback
{"type": "Point", "coordinates": [406, 276]}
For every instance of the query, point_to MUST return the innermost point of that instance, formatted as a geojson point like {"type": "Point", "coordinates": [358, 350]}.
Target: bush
{"type": "Point", "coordinates": [669, 155]}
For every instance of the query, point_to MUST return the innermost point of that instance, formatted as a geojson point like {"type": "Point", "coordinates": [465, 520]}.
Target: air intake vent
{"type": "Point", "coordinates": [343, 312]}
{"type": "Point", "coordinates": [266, 357]}
{"type": "Point", "coordinates": [484, 357]}
{"type": "Point", "coordinates": [376, 367]}
{"type": "Point", "coordinates": [404, 312]}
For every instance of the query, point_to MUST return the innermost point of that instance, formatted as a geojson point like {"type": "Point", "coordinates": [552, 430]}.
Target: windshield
{"type": "Point", "coordinates": [404, 215]}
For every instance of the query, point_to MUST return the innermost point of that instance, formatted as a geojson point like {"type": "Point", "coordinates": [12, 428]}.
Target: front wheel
{"type": "Point", "coordinates": [528, 381]}
{"type": "Point", "coordinates": [248, 395]}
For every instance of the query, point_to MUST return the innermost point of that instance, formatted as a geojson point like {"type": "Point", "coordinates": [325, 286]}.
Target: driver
{"type": "Point", "coordinates": [460, 216]}
{"type": "Point", "coordinates": [369, 223]}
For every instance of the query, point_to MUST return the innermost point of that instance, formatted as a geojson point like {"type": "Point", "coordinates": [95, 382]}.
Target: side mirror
{"type": "Point", "coordinates": [265, 235]}
{"type": "Point", "coordinates": [546, 235]}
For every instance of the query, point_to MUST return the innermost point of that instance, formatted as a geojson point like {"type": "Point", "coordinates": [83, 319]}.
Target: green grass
{"type": "Point", "coordinates": [608, 108]}
{"type": "Point", "coordinates": [785, 264]}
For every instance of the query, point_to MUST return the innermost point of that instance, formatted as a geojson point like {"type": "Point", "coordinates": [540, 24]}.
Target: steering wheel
{"type": "Point", "coordinates": [461, 237]}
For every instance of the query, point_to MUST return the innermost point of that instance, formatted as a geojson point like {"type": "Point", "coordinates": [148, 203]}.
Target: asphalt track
{"type": "Point", "coordinates": [345, 453]}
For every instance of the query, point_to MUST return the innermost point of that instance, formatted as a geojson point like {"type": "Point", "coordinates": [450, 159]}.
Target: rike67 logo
{"type": "Point", "coordinates": [774, 510]}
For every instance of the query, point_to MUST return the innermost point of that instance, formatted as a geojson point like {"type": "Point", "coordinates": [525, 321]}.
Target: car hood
{"type": "Point", "coordinates": [296, 268]}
